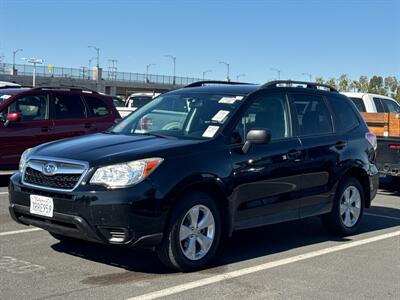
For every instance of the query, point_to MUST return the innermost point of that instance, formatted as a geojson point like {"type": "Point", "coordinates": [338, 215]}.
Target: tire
{"type": "Point", "coordinates": [343, 219]}
{"type": "Point", "coordinates": [181, 237]}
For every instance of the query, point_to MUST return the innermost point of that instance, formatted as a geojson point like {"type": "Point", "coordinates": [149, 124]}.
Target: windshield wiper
{"type": "Point", "coordinates": [158, 135]}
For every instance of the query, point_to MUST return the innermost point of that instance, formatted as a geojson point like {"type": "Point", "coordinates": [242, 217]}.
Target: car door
{"type": "Point", "coordinates": [99, 115]}
{"type": "Point", "coordinates": [322, 151]}
{"type": "Point", "coordinates": [267, 179]}
{"type": "Point", "coordinates": [34, 127]}
{"type": "Point", "coordinates": [69, 115]}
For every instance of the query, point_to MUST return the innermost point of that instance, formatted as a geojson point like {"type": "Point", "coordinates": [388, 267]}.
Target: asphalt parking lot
{"type": "Point", "coordinates": [295, 260]}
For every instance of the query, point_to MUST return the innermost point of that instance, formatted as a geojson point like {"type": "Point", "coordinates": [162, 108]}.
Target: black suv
{"type": "Point", "coordinates": [198, 163]}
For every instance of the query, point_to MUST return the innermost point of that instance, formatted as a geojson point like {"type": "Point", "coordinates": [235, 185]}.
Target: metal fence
{"type": "Point", "coordinates": [86, 74]}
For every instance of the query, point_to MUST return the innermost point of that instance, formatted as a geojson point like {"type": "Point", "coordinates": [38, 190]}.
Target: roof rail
{"type": "Point", "coordinates": [71, 88]}
{"type": "Point", "coordinates": [203, 82]}
{"type": "Point", "coordinates": [309, 85]}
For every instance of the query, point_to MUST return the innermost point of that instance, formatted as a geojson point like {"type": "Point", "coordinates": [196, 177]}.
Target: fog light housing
{"type": "Point", "coordinates": [115, 235]}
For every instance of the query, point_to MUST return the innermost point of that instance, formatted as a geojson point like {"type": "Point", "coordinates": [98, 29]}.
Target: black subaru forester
{"type": "Point", "coordinates": [198, 163]}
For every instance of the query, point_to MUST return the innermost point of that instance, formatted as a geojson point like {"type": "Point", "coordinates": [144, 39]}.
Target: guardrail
{"type": "Point", "coordinates": [86, 74]}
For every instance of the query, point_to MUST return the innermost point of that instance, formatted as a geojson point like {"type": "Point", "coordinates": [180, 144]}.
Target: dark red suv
{"type": "Point", "coordinates": [29, 117]}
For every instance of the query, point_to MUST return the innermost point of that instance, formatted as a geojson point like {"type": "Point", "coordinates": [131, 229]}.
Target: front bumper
{"type": "Point", "coordinates": [131, 217]}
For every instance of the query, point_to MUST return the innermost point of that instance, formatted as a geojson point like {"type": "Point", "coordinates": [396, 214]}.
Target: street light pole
{"type": "Point", "coordinates": [147, 71]}
{"type": "Point", "coordinates": [98, 54]}
{"type": "Point", "coordinates": [278, 71]}
{"type": "Point", "coordinates": [205, 72]}
{"type": "Point", "coordinates": [34, 61]}
{"type": "Point", "coordinates": [240, 75]}
{"type": "Point", "coordinates": [90, 66]}
{"type": "Point", "coordinates": [14, 53]}
{"type": "Point", "coordinates": [174, 61]}
{"type": "Point", "coordinates": [227, 70]}
{"type": "Point", "coordinates": [309, 75]}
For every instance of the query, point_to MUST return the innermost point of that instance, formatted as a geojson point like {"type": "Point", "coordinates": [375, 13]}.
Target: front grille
{"type": "Point", "coordinates": [59, 181]}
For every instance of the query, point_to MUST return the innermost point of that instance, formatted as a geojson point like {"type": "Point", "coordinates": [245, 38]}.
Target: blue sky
{"type": "Point", "coordinates": [324, 38]}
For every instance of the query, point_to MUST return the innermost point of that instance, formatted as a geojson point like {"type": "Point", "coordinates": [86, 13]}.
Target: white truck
{"type": "Point", "coordinates": [382, 115]}
{"type": "Point", "coordinates": [134, 101]}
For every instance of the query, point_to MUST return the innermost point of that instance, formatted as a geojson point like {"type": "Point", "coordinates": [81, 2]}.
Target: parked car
{"type": "Point", "coordinates": [382, 115]}
{"type": "Point", "coordinates": [135, 101]}
{"type": "Point", "coordinates": [244, 156]}
{"type": "Point", "coordinates": [29, 117]}
{"type": "Point", "coordinates": [6, 84]}
{"type": "Point", "coordinates": [118, 102]}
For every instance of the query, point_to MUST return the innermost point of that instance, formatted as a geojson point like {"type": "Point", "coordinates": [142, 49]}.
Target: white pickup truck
{"type": "Point", "coordinates": [382, 115]}
{"type": "Point", "coordinates": [135, 101]}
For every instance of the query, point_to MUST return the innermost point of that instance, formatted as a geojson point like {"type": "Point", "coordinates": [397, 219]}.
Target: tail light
{"type": "Point", "coordinates": [146, 123]}
{"type": "Point", "coordinates": [371, 138]}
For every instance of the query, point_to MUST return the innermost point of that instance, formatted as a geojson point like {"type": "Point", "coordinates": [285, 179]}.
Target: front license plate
{"type": "Point", "coordinates": [42, 206]}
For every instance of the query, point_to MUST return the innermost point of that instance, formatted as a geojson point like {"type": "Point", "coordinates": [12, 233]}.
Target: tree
{"type": "Point", "coordinates": [363, 84]}
{"type": "Point", "coordinates": [376, 85]}
{"type": "Point", "coordinates": [319, 80]}
{"type": "Point", "coordinates": [331, 82]}
{"type": "Point", "coordinates": [343, 83]}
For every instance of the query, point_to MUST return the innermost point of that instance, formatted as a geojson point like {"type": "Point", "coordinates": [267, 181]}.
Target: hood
{"type": "Point", "coordinates": [103, 148]}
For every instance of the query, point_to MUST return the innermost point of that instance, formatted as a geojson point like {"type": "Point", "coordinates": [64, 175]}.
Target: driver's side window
{"type": "Point", "coordinates": [31, 107]}
{"type": "Point", "coordinates": [269, 111]}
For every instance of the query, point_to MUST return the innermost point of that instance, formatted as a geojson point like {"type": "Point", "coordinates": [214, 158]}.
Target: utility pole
{"type": "Point", "coordinates": [227, 70]}
{"type": "Point", "coordinates": [278, 71]}
{"type": "Point", "coordinates": [309, 75]}
{"type": "Point", "coordinates": [98, 54]}
{"type": "Point", "coordinates": [174, 62]}
{"type": "Point", "coordinates": [14, 54]}
{"type": "Point", "coordinates": [205, 72]}
{"type": "Point", "coordinates": [147, 71]}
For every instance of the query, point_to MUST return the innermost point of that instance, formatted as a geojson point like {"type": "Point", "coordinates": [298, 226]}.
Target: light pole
{"type": "Point", "coordinates": [174, 61]}
{"type": "Point", "coordinates": [227, 70]}
{"type": "Point", "coordinates": [90, 66]}
{"type": "Point", "coordinates": [278, 71]}
{"type": "Point", "coordinates": [205, 72]}
{"type": "Point", "coordinates": [147, 71]}
{"type": "Point", "coordinates": [240, 75]}
{"type": "Point", "coordinates": [309, 75]}
{"type": "Point", "coordinates": [98, 54]}
{"type": "Point", "coordinates": [34, 62]}
{"type": "Point", "coordinates": [15, 53]}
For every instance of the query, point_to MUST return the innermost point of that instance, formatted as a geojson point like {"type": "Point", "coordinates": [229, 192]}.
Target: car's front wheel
{"type": "Point", "coordinates": [348, 207]}
{"type": "Point", "coordinates": [193, 233]}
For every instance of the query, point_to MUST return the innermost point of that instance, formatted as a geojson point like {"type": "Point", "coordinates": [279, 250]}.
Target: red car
{"type": "Point", "coordinates": [29, 117]}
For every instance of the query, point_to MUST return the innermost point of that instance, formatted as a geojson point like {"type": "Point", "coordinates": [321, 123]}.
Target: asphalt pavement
{"type": "Point", "coordinates": [294, 260]}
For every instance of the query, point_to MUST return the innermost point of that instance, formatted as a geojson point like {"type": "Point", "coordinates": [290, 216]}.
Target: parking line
{"type": "Point", "coordinates": [3, 193]}
{"type": "Point", "coordinates": [19, 231]}
{"type": "Point", "coordinates": [269, 265]}
{"type": "Point", "coordinates": [382, 216]}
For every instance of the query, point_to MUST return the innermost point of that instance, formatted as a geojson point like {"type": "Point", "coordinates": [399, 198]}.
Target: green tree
{"type": "Point", "coordinates": [363, 84]}
{"type": "Point", "coordinates": [391, 85]}
{"type": "Point", "coordinates": [344, 83]}
{"type": "Point", "coordinates": [376, 85]}
{"type": "Point", "coordinates": [331, 82]}
{"type": "Point", "coordinates": [319, 79]}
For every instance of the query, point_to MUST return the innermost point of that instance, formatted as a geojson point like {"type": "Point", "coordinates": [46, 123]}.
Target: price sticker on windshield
{"type": "Point", "coordinates": [227, 100]}
{"type": "Point", "coordinates": [210, 131]}
{"type": "Point", "coordinates": [220, 116]}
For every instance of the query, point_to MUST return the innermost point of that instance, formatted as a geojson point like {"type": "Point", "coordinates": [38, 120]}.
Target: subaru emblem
{"type": "Point", "coordinates": [49, 169]}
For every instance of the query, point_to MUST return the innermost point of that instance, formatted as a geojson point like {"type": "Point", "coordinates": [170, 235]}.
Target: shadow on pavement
{"type": "Point", "coordinates": [244, 245]}
{"type": "Point", "coordinates": [390, 186]}
{"type": "Point", "coordinates": [4, 180]}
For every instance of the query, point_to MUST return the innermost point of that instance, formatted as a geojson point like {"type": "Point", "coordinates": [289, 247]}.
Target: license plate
{"type": "Point", "coordinates": [42, 206]}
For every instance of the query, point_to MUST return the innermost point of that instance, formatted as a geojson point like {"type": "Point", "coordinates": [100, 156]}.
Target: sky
{"type": "Point", "coordinates": [323, 38]}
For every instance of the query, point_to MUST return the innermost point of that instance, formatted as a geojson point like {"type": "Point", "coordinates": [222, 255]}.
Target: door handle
{"type": "Point", "coordinates": [340, 145]}
{"type": "Point", "coordinates": [45, 129]}
{"type": "Point", "coordinates": [295, 155]}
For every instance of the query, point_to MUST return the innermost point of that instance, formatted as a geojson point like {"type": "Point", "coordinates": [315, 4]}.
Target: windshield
{"type": "Point", "coordinates": [197, 116]}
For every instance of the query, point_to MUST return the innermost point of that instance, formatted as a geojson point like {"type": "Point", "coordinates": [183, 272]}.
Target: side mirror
{"type": "Point", "coordinates": [256, 136]}
{"type": "Point", "coordinates": [13, 117]}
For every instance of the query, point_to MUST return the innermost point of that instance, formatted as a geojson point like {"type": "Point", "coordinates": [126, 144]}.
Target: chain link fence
{"type": "Point", "coordinates": [86, 74]}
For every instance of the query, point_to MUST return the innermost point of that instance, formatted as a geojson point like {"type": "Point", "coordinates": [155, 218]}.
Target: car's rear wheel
{"type": "Point", "coordinates": [348, 207]}
{"type": "Point", "coordinates": [193, 233]}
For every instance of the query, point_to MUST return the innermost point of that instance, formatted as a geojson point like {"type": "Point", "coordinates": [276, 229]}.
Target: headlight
{"type": "Point", "coordinates": [125, 174]}
{"type": "Point", "coordinates": [23, 159]}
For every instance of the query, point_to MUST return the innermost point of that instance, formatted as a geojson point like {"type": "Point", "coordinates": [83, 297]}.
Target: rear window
{"type": "Point", "coordinates": [391, 106]}
{"type": "Point", "coordinates": [379, 105]}
{"type": "Point", "coordinates": [345, 117]}
{"type": "Point", "coordinates": [359, 103]}
{"type": "Point", "coordinates": [97, 107]}
{"type": "Point", "coordinates": [68, 107]}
